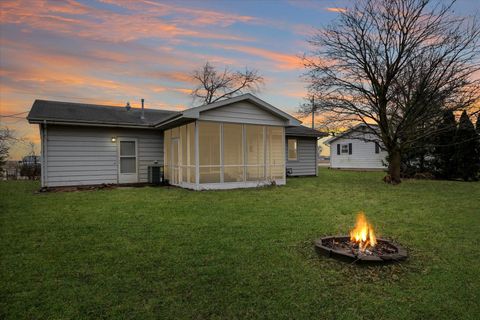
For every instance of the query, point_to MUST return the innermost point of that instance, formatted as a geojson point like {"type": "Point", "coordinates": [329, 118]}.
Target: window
{"type": "Point", "coordinates": [377, 147]}
{"type": "Point", "coordinates": [345, 148]}
{"type": "Point", "coordinates": [292, 149]}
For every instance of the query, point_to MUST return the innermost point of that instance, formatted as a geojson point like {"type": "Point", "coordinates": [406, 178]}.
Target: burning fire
{"type": "Point", "coordinates": [363, 233]}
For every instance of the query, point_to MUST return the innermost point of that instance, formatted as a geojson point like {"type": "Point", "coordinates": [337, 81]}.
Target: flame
{"type": "Point", "coordinates": [363, 233]}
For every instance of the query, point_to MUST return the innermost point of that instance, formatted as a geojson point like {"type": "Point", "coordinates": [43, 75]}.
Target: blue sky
{"type": "Point", "coordinates": [110, 52]}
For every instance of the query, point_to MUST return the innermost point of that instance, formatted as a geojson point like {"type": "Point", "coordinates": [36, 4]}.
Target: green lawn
{"type": "Point", "coordinates": [172, 253]}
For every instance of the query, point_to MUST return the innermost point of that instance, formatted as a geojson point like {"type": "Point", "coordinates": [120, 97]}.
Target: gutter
{"type": "Point", "coordinates": [95, 124]}
{"type": "Point", "coordinates": [167, 121]}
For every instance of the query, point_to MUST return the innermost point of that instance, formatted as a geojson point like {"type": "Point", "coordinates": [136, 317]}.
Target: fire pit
{"type": "Point", "coordinates": [361, 246]}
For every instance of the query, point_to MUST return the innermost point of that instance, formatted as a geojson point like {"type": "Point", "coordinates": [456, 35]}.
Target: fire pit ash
{"type": "Point", "coordinates": [361, 246]}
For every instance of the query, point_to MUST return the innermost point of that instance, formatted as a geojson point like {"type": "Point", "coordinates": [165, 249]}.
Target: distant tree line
{"type": "Point", "coordinates": [452, 153]}
{"type": "Point", "coordinates": [29, 167]}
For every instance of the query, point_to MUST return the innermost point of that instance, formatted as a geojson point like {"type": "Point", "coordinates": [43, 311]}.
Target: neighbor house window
{"type": "Point", "coordinates": [377, 147]}
{"type": "Point", "coordinates": [344, 148]}
{"type": "Point", "coordinates": [292, 149]}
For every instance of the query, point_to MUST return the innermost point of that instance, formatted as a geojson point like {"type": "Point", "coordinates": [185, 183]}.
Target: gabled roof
{"type": "Point", "coordinates": [194, 113]}
{"type": "Point", "coordinates": [91, 114]}
{"type": "Point", "coordinates": [356, 128]}
{"type": "Point", "coordinates": [81, 113]}
{"type": "Point", "coordinates": [302, 131]}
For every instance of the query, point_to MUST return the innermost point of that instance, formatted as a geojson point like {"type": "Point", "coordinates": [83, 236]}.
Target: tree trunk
{"type": "Point", "coordinates": [313, 119]}
{"type": "Point", "coordinates": [394, 167]}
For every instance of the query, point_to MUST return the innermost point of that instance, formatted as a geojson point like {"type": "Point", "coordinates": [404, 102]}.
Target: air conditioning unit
{"type": "Point", "coordinates": [156, 174]}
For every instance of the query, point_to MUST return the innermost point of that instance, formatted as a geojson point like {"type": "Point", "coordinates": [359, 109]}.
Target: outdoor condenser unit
{"type": "Point", "coordinates": [155, 174]}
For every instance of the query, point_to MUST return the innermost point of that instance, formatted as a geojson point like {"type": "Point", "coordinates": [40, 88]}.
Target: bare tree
{"type": "Point", "coordinates": [395, 65]}
{"type": "Point", "coordinates": [6, 140]}
{"type": "Point", "coordinates": [213, 85]}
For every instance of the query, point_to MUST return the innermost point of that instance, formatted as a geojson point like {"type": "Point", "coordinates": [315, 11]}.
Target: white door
{"type": "Point", "coordinates": [127, 160]}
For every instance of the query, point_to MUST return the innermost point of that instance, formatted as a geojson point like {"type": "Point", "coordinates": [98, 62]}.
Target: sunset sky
{"type": "Point", "coordinates": [110, 52]}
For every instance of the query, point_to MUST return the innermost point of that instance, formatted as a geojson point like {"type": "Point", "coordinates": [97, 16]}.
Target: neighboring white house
{"type": "Point", "coordinates": [356, 149]}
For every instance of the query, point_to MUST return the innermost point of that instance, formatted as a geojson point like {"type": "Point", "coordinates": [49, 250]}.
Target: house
{"type": "Point", "coordinates": [237, 142]}
{"type": "Point", "coordinates": [31, 160]}
{"type": "Point", "coordinates": [357, 148]}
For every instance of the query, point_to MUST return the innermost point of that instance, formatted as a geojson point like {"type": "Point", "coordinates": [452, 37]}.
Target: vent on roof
{"type": "Point", "coordinates": [127, 106]}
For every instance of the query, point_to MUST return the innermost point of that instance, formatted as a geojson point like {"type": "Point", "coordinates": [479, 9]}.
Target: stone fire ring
{"type": "Point", "coordinates": [399, 255]}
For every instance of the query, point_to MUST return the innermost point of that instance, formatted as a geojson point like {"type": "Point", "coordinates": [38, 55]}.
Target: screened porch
{"type": "Point", "coordinates": [217, 155]}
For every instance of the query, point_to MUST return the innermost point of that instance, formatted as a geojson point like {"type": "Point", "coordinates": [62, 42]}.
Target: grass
{"type": "Point", "coordinates": [172, 253]}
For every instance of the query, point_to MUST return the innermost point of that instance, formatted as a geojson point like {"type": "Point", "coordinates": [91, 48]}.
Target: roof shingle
{"type": "Point", "coordinates": [302, 131]}
{"type": "Point", "coordinates": [95, 114]}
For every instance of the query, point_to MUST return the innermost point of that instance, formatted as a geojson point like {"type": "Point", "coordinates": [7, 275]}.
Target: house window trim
{"type": "Point", "coordinates": [348, 150]}
{"type": "Point", "coordinates": [296, 149]}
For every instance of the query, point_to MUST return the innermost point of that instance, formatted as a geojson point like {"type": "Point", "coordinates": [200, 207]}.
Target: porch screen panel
{"type": "Point", "coordinates": [191, 152]}
{"type": "Point", "coordinates": [233, 170]}
{"type": "Point", "coordinates": [275, 153]}
{"type": "Point", "coordinates": [209, 152]}
{"type": "Point", "coordinates": [255, 152]}
{"type": "Point", "coordinates": [166, 151]}
{"type": "Point", "coordinates": [184, 153]}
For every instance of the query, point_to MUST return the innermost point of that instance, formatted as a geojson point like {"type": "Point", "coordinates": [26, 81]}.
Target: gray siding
{"type": "Point", "coordinates": [242, 112]}
{"type": "Point", "coordinates": [306, 163]}
{"type": "Point", "coordinates": [83, 155]}
{"type": "Point", "coordinates": [363, 154]}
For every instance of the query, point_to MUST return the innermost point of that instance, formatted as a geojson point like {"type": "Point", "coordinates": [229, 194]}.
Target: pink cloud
{"type": "Point", "coordinates": [280, 60]}
{"type": "Point", "coordinates": [104, 25]}
{"type": "Point", "coordinates": [335, 9]}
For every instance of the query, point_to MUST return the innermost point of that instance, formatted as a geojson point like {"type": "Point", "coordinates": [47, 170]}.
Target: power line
{"type": "Point", "coordinates": [15, 122]}
{"type": "Point", "coordinates": [15, 114]}
{"type": "Point", "coordinates": [11, 116]}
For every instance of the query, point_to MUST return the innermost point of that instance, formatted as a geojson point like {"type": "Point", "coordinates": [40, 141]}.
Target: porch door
{"type": "Point", "coordinates": [175, 161]}
{"type": "Point", "coordinates": [127, 159]}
